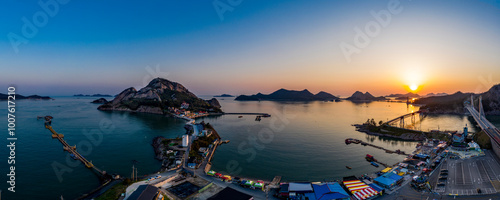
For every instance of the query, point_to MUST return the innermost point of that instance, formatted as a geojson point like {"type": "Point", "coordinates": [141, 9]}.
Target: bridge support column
{"type": "Point", "coordinates": [481, 109]}
{"type": "Point", "coordinates": [495, 147]}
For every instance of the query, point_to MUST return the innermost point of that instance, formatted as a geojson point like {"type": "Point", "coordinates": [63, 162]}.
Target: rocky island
{"type": "Point", "coordinates": [160, 96]}
{"type": "Point", "coordinates": [31, 97]}
{"type": "Point", "coordinates": [100, 101]}
{"type": "Point", "coordinates": [359, 96]}
{"type": "Point", "coordinates": [224, 95]}
{"type": "Point", "coordinates": [288, 95]}
{"type": "Point", "coordinates": [94, 95]}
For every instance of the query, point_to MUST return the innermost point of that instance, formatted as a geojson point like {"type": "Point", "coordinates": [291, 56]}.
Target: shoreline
{"type": "Point", "coordinates": [362, 129]}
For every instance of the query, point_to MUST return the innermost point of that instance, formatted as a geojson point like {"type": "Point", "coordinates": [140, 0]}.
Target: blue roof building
{"type": "Point", "coordinates": [329, 191]}
{"type": "Point", "coordinates": [388, 180]}
{"type": "Point", "coordinates": [385, 182]}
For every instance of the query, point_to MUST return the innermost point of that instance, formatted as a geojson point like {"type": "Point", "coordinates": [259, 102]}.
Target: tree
{"type": "Point", "coordinates": [380, 123]}
{"type": "Point", "coordinates": [127, 181]}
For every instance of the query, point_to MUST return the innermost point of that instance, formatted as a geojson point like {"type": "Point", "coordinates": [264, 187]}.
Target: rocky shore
{"type": "Point", "coordinates": [159, 148]}
{"type": "Point", "coordinates": [100, 101]}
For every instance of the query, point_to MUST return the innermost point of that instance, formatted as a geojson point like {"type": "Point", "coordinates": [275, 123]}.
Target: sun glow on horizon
{"type": "Point", "coordinates": [413, 87]}
{"type": "Point", "coordinates": [414, 76]}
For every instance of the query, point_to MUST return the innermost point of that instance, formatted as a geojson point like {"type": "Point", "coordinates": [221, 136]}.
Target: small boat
{"type": "Point", "coordinates": [240, 116]}
{"type": "Point", "coordinates": [374, 164]}
{"type": "Point", "coordinates": [348, 167]}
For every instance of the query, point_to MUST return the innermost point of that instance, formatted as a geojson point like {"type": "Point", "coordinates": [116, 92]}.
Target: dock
{"type": "Point", "coordinates": [264, 114]}
{"type": "Point", "coordinates": [356, 141]}
{"type": "Point", "coordinates": [72, 149]}
{"type": "Point", "coordinates": [276, 182]}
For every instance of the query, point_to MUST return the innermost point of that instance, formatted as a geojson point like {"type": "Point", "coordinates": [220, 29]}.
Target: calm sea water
{"type": "Point", "coordinates": [301, 141]}
{"type": "Point", "coordinates": [304, 141]}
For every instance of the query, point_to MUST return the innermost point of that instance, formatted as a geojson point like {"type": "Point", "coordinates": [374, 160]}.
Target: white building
{"type": "Point", "coordinates": [185, 140]}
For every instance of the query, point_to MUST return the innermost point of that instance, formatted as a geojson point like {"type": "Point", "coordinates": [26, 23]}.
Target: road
{"type": "Point", "coordinates": [485, 125]}
{"type": "Point", "coordinates": [200, 172]}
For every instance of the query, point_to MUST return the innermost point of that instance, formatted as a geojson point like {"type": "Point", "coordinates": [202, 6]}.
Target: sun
{"type": "Point", "coordinates": [413, 87]}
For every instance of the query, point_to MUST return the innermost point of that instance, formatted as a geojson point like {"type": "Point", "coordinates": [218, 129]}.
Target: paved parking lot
{"type": "Point", "coordinates": [464, 177]}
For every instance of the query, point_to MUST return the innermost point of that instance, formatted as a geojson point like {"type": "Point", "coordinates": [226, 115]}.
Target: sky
{"type": "Point", "coordinates": [243, 47]}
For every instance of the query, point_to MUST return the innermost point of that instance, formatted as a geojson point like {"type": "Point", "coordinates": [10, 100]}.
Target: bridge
{"type": "Point", "coordinates": [485, 125]}
{"type": "Point", "coordinates": [71, 149]}
{"type": "Point", "coordinates": [400, 121]}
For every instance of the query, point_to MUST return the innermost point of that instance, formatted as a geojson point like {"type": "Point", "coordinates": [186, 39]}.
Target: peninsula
{"type": "Point", "coordinates": [454, 103]}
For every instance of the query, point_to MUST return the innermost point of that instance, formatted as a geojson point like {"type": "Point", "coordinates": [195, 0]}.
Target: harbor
{"type": "Point", "coordinates": [364, 171]}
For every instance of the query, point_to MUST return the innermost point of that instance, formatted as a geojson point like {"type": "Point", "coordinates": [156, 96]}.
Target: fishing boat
{"type": "Point", "coordinates": [370, 158]}
{"type": "Point", "coordinates": [348, 167]}
{"type": "Point", "coordinates": [240, 116]}
{"type": "Point", "coordinates": [374, 164]}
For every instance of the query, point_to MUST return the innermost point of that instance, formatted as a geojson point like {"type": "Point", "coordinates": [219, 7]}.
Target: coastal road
{"type": "Point", "coordinates": [200, 172]}
{"type": "Point", "coordinates": [164, 175]}
{"type": "Point", "coordinates": [486, 126]}
{"type": "Point", "coordinates": [256, 194]}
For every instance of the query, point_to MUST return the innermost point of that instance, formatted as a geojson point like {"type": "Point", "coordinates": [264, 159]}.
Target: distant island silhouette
{"type": "Point", "coordinates": [32, 97]}
{"type": "Point", "coordinates": [288, 95]}
{"type": "Point", "coordinates": [94, 95]}
{"type": "Point", "coordinates": [224, 95]}
{"type": "Point", "coordinates": [359, 96]}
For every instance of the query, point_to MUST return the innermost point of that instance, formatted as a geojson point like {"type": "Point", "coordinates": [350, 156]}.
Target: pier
{"type": "Point", "coordinates": [264, 114]}
{"type": "Point", "coordinates": [71, 149]}
{"type": "Point", "coordinates": [356, 141]}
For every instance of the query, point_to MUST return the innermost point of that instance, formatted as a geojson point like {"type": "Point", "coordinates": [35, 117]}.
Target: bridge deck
{"type": "Point", "coordinates": [485, 125]}
{"type": "Point", "coordinates": [403, 116]}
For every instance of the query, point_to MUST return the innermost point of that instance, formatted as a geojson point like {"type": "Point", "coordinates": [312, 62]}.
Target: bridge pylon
{"type": "Point", "coordinates": [472, 101]}
{"type": "Point", "coordinates": [481, 109]}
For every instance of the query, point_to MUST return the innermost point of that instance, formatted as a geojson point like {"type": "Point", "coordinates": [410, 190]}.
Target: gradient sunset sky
{"type": "Point", "coordinates": [260, 46]}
